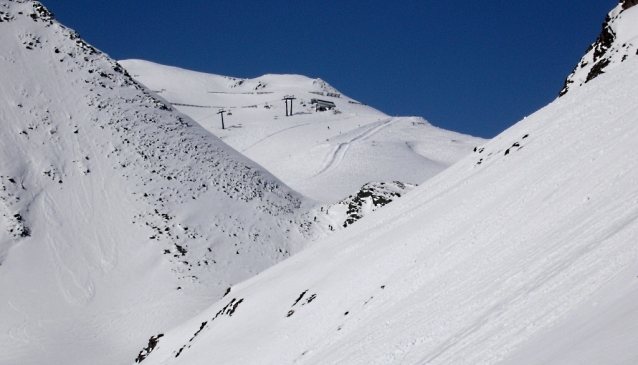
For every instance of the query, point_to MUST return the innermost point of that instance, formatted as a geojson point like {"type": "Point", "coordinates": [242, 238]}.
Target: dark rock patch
{"type": "Point", "coordinates": [152, 343]}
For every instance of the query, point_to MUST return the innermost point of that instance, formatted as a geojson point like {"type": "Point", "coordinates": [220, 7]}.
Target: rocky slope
{"type": "Point", "coordinates": [371, 197]}
{"type": "Point", "coordinates": [119, 214]}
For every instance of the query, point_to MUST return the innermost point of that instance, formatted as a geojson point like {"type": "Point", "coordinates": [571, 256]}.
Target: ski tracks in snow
{"type": "Point", "coordinates": [286, 129]}
{"type": "Point", "coordinates": [75, 265]}
{"type": "Point", "coordinates": [270, 135]}
{"type": "Point", "coordinates": [72, 271]}
{"type": "Point", "coordinates": [19, 333]}
{"type": "Point", "coordinates": [339, 152]}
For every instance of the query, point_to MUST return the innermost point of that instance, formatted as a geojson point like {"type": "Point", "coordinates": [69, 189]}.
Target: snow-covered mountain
{"type": "Point", "coordinates": [120, 216]}
{"type": "Point", "coordinates": [122, 219]}
{"type": "Point", "coordinates": [523, 252]}
{"type": "Point", "coordinates": [617, 42]}
{"type": "Point", "coordinates": [324, 155]}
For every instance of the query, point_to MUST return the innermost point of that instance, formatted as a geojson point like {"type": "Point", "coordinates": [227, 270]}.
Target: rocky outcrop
{"type": "Point", "coordinates": [626, 4]}
{"type": "Point", "coordinates": [617, 42]}
{"type": "Point", "coordinates": [369, 198]}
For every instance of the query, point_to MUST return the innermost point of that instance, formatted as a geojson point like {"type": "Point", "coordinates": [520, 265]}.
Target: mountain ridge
{"type": "Point", "coordinates": [617, 41]}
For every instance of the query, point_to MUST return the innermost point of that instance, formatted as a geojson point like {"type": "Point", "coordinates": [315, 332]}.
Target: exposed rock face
{"type": "Point", "coordinates": [617, 41]}
{"type": "Point", "coordinates": [369, 198]}
{"type": "Point", "coordinates": [626, 4]}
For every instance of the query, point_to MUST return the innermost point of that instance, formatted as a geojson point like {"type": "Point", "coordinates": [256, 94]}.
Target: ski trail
{"type": "Point", "coordinates": [339, 153]}
{"type": "Point", "coordinates": [336, 158]}
{"type": "Point", "coordinates": [295, 126]}
{"type": "Point", "coordinates": [270, 135]}
{"type": "Point", "coordinates": [99, 198]}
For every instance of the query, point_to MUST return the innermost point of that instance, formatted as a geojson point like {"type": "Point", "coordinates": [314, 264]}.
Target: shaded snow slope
{"type": "Point", "coordinates": [324, 155]}
{"type": "Point", "coordinates": [523, 252]}
{"type": "Point", "coordinates": [617, 42]}
{"type": "Point", "coordinates": [119, 216]}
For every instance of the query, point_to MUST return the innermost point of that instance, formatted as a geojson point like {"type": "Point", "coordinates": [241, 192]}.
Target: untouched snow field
{"type": "Point", "coordinates": [323, 155]}
{"type": "Point", "coordinates": [523, 252]}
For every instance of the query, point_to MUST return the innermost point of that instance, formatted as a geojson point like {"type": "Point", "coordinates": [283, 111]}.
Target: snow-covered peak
{"type": "Point", "coordinates": [617, 42]}
{"type": "Point", "coordinates": [326, 155]}
{"type": "Point", "coordinates": [155, 76]}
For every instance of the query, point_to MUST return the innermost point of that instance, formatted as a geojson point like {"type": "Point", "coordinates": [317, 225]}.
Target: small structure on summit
{"type": "Point", "coordinates": [322, 105]}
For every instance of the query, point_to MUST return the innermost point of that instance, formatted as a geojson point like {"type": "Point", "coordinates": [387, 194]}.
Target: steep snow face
{"type": "Point", "coordinates": [324, 155]}
{"type": "Point", "coordinates": [523, 252]}
{"type": "Point", "coordinates": [119, 216]}
{"type": "Point", "coordinates": [617, 42]}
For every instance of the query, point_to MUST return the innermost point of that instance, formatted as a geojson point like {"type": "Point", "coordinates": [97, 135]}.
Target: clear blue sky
{"type": "Point", "coordinates": [476, 67]}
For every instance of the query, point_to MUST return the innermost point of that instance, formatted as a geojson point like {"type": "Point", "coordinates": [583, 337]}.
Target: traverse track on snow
{"type": "Point", "coordinates": [286, 129]}
{"type": "Point", "coordinates": [340, 151]}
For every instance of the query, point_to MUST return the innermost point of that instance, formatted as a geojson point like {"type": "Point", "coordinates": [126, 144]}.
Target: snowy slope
{"type": "Point", "coordinates": [617, 42]}
{"type": "Point", "coordinates": [523, 252]}
{"type": "Point", "coordinates": [119, 217]}
{"type": "Point", "coordinates": [324, 155]}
